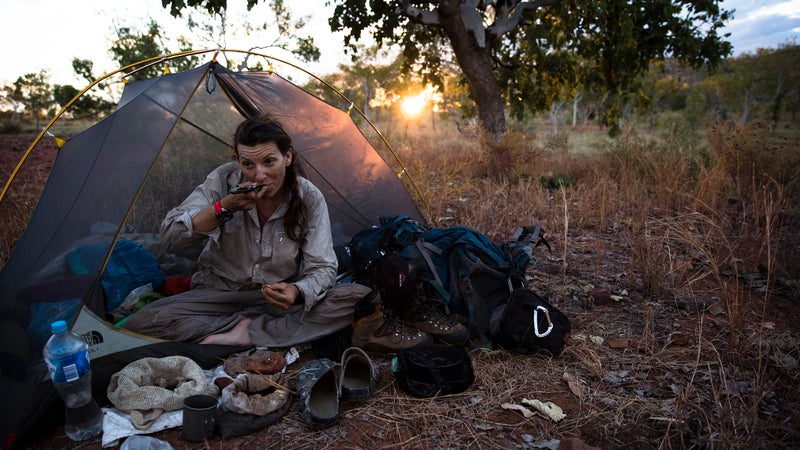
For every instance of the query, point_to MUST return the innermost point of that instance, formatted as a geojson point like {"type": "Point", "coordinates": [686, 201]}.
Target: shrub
{"type": "Point", "coordinates": [10, 127]}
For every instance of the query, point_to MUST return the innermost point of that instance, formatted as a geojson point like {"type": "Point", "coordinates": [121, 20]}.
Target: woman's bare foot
{"type": "Point", "coordinates": [237, 335]}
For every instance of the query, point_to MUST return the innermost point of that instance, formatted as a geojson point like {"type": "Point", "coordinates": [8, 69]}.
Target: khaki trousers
{"type": "Point", "coordinates": [192, 315]}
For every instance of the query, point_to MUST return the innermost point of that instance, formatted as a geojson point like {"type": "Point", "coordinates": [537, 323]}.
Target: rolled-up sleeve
{"type": "Point", "coordinates": [177, 233]}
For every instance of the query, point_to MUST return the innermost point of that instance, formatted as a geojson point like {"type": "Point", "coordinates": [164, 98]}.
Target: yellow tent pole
{"type": "Point", "coordinates": [46, 129]}
{"type": "Point", "coordinates": [141, 65]}
{"type": "Point", "coordinates": [59, 142]}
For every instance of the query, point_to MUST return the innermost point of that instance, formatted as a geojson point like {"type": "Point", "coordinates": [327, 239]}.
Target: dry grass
{"type": "Point", "coordinates": [699, 232]}
{"type": "Point", "coordinates": [696, 236]}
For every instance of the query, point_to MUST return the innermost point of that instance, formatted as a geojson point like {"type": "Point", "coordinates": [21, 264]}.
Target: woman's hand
{"type": "Point", "coordinates": [282, 295]}
{"type": "Point", "coordinates": [244, 200]}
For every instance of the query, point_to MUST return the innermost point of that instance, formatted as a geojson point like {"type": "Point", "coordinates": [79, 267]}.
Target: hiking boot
{"type": "Point", "coordinates": [430, 318]}
{"type": "Point", "coordinates": [383, 333]}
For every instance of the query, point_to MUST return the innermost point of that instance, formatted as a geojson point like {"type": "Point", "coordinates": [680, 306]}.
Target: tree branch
{"type": "Point", "coordinates": [417, 15]}
{"type": "Point", "coordinates": [509, 13]}
{"type": "Point", "coordinates": [473, 21]}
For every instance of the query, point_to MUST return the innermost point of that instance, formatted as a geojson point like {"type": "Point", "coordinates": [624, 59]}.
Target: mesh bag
{"type": "Point", "coordinates": [149, 386]}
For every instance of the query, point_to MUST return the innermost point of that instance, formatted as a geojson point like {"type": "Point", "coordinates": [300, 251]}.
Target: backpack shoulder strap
{"type": "Point", "coordinates": [425, 249]}
{"type": "Point", "coordinates": [531, 235]}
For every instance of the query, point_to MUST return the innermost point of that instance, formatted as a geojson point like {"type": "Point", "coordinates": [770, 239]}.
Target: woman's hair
{"type": "Point", "coordinates": [260, 129]}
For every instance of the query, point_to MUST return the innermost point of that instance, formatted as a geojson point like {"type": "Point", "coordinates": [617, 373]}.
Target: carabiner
{"type": "Point", "coordinates": [536, 321]}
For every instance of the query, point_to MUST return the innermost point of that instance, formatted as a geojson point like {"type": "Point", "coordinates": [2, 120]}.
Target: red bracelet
{"type": "Point", "coordinates": [218, 206]}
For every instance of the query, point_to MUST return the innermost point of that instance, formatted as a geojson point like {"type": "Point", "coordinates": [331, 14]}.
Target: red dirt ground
{"type": "Point", "coordinates": [13, 147]}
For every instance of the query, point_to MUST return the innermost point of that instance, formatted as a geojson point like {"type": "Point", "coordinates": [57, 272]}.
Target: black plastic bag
{"type": "Point", "coordinates": [433, 370]}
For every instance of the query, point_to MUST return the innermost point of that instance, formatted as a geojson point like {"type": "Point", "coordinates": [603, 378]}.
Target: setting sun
{"type": "Point", "coordinates": [412, 106]}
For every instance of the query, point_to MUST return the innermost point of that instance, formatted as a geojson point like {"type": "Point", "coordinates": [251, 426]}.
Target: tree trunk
{"type": "Point", "coordinates": [748, 100]}
{"type": "Point", "coordinates": [555, 111]}
{"type": "Point", "coordinates": [576, 99]}
{"type": "Point", "coordinates": [367, 99]}
{"type": "Point", "coordinates": [476, 64]}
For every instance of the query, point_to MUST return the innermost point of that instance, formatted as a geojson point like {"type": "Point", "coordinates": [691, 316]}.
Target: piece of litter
{"type": "Point", "coordinates": [552, 444]}
{"type": "Point", "coordinates": [549, 409]}
{"type": "Point", "coordinates": [525, 411]}
{"type": "Point", "coordinates": [575, 385]}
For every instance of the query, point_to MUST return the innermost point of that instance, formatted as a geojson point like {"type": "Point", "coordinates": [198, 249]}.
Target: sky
{"type": "Point", "coordinates": [48, 34]}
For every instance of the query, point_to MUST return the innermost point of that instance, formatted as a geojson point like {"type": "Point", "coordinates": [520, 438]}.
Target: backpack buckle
{"type": "Point", "coordinates": [536, 321]}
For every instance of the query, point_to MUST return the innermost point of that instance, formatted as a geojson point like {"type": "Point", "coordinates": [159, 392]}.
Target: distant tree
{"type": "Point", "coordinates": [83, 68]}
{"type": "Point", "coordinates": [132, 46]}
{"type": "Point", "coordinates": [779, 86]}
{"type": "Point", "coordinates": [34, 92]}
{"type": "Point", "coordinates": [360, 82]}
{"type": "Point", "coordinates": [87, 105]}
{"type": "Point", "coordinates": [91, 103]}
{"type": "Point", "coordinates": [7, 102]}
{"type": "Point", "coordinates": [760, 85]}
{"type": "Point", "coordinates": [63, 94]}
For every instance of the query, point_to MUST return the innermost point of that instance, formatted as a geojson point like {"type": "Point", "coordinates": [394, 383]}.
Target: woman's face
{"type": "Point", "coordinates": [264, 164]}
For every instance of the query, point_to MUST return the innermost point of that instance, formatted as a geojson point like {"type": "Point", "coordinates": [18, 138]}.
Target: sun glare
{"type": "Point", "coordinates": [412, 106]}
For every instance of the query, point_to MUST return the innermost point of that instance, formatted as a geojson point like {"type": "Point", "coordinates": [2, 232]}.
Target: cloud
{"type": "Point", "coordinates": [764, 32]}
{"type": "Point", "coordinates": [765, 24]}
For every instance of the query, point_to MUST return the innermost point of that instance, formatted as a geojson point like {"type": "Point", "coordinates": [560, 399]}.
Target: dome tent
{"type": "Point", "coordinates": [114, 181]}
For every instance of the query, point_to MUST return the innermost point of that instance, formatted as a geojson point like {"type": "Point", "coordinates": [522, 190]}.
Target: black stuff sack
{"type": "Point", "coordinates": [528, 324]}
{"type": "Point", "coordinates": [433, 370]}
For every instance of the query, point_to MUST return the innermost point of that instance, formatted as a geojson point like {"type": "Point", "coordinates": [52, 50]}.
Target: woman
{"type": "Point", "coordinates": [267, 272]}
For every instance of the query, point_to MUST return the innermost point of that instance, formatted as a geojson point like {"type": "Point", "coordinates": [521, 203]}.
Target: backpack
{"type": "Point", "coordinates": [527, 324]}
{"type": "Point", "coordinates": [457, 266]}
{"type": "Point", "coordinates": [365, 247]}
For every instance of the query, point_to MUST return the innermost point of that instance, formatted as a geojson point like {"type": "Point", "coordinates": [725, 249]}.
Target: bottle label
{"type": "Point", "coordinates": [69, 367]}
{"type": "Point", "coordinates": [70, 372]}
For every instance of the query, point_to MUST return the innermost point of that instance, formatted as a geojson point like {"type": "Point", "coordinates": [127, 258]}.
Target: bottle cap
{"type": "Point", "coordinates": [58, 326]}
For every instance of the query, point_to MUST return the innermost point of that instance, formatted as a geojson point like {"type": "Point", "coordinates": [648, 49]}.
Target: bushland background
{"type": "Point", "coordinates": [675, 248]}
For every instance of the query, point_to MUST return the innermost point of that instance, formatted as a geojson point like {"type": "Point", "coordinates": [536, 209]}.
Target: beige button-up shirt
{"type": "Point", "coordinates": [240, 254]}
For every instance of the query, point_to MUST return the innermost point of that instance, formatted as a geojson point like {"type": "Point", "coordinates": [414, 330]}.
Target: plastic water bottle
{"type": "Point", "coordinates": [67, 358]}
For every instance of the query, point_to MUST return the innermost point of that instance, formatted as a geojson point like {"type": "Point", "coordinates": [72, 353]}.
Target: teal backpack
{"type": "Point", "coordinates": [460, 267]}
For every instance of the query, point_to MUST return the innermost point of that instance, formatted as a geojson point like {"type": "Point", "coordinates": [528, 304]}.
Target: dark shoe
{"type": "Point", "coordinates": [358, 376]}
{"type": "Point", "coordinates": [318, 389]}
{"type": "Point", "coordinates": [383, 333]}
{"type": "Point", "coordinates": [333, 345]}
{"type": "Point", "coordinates": [430, 318]}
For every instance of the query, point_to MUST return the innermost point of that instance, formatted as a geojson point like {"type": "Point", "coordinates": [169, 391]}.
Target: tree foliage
{"type": "Point", "coordinates": [132, 46]}
{"type": "Point", "coordinates": [275, 27]}
{"type": "Point", "coordinates": [33, 92]}
{"type": "Point", "coordinates": [761, 85]}
{"type": "Point", "coordinates": [764, 85]}
{"type": "Point", "coordinates": [87, 105]}
{"type": "Point", "coordinates": [520, 54]}
{"type": "Point", "coordinates": [367, 82]}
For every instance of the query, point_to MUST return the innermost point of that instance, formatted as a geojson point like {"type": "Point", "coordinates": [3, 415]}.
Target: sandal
{"type": "Point", "coordinates": [318, 389]}
{"type": "Point", "coordinates": [359, 375]}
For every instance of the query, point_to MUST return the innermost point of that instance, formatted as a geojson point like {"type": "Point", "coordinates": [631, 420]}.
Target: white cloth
{"type": "Point", "coordinates": [117, 425]}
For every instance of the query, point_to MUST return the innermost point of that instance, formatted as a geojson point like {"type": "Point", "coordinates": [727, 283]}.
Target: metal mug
{"type": "Point", "coordinates": [199, 417]}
